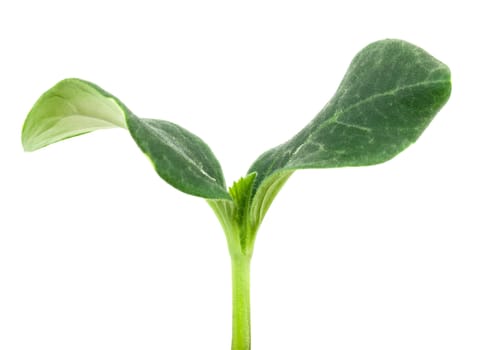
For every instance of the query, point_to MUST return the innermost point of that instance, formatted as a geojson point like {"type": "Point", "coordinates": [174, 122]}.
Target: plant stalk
{"type": "Point", "coordinates": [240, 265]}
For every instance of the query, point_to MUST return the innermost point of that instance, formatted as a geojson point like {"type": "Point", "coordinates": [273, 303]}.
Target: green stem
{"type": "Point", "coordinates": [240, 265]}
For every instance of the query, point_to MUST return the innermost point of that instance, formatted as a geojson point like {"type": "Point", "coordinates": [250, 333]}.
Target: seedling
{"type": "Point", "coordinates": [389, 95]}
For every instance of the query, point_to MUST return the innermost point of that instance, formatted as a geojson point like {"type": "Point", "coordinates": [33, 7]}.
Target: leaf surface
{"type": "Point", "coordinates": [74, 107]}
{"type": "Point", "coordinates": [389, 95]}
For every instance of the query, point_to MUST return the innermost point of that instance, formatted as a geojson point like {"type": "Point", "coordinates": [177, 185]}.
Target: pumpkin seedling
{"type": "Point", "coordinates": [389, 95]}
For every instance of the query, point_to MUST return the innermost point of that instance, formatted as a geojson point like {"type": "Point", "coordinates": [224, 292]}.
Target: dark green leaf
{"type": "Point", "coordinates": [74, 107]}
{"type": "Point", "coordinates": [180, 158]}
{"type": "Point", "coordinates": [389, 95]}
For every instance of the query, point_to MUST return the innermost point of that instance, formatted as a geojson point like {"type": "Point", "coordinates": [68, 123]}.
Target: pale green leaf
{"type": "Point", "coordinates": [74, 107]}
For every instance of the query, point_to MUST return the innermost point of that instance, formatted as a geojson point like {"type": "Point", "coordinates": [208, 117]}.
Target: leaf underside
{"type": "Point", "coordinates": [74, 107]}
{"type": "Point", "coordinates": [389, 95]}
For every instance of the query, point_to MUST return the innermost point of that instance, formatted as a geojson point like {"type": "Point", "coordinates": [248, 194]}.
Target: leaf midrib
{"type": "Point", "coordinates": [334, 119]}
{"type": "Point", "coordinates": [389, 92]}
{"type": "Point", "coordinates": [62, 118]}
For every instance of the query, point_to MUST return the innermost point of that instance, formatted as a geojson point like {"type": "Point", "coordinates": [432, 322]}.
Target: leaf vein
{"type": "Point", "coordinates": [170, 142]}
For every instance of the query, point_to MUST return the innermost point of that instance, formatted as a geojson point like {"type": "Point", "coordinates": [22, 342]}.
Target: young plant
{"type": "Point", "coordinates": [389, 95]}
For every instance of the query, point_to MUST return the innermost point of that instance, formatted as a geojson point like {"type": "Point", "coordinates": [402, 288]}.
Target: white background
{"type": "Point", "coordinates": [97, 252]}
